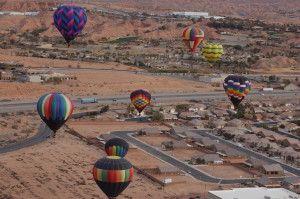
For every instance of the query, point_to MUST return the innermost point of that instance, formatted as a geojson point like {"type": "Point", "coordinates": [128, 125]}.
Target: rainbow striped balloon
{"type": "Point", "coordinates": [212, 52]}
{"type": "Point", "coordinates": [112, 174]}
{"type": "Point", "coordinates": [69, 21]}
{"type": "Point", "coordinates": [55, 109]}
{"type": "Point", "coordinates": [116, 147]}
{"type": "Point", "coordinates": [192, 37]}
{"type": "Point", "coordinates": [236, 88]}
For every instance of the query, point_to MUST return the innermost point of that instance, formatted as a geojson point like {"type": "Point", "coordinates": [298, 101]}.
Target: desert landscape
{"type": "Point", "coordinates": [191, 139]}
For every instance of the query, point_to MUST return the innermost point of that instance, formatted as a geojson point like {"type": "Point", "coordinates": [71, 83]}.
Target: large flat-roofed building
{"type": "Point", "coordinates": [191, 14]}
{"type": "Point", "coordinates": [253, 193]}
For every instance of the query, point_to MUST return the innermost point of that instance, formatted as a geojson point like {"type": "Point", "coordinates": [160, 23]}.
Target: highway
{"type": "Point", "coordinates": [41, 136]}
{"type": "Point", "coordinates": [195, 173]}
{"type": "Point", "coordinates": [31, 104]}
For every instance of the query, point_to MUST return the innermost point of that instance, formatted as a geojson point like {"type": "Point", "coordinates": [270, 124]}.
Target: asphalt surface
{"type": "Point", "coordinates": [41, 136]}
{"type": "Point", "coordinates": [197, 174]}
{"type": "Point", "coordinates": [31, 104]}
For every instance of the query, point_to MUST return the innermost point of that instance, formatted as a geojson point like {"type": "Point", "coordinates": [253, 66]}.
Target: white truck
{"type": "Point", "coordinates": [265, 89]}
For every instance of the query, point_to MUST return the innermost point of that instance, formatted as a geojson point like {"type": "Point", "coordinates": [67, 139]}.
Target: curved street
{"type": "Point", "coordinates": [41, 136]}
{"type": "Point", "coordinates": [197, 174]}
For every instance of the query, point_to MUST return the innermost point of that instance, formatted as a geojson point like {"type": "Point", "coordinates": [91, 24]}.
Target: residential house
{"type": "Point", "coordinates": [297, 162]}
{"type": "Point", "coordinates": [230, 132]}
{"type": "Point", "coordinates": [196, 123]}
{"type": "Point", "coordinates": [253, 163]}
{"type": "Point", "coordinates": [263, 145]}
{"type": "Point", "coordinates": [225, 151]}
{"type": "Point", "coordinates": [106, 137]}
{"type": "Point", "coordinates": [206, 159]}
{"type": "Point", "coordinates": [6, 75]}
{"type": "Point", "coordinates": [190, 134]}
{"type": "Point", "coordinates": [289, 154]}
{"type": "Point", "coordinates": [236, 123]}
{"type": "Point", "coordinates": [250, 140]}
{"type": "Point", "coordinates": [219, 123]}
{"type": "Point", "coordinates": [171, 145]}
{"type": "Point", "coordinates": [292, 87]}
{"type": "Point", "coordinates": [271, 169]}
{"type": "Point", "coordinates": [288, 115]}
{"type": "Point", "coordinates": [169, 170]}
{"type": "Point", "coordinates": [178, 130]}
{"type": "Point", "coordinates": [292, 183]}
{"type": "Point", "coordinates": [197, 107]}
{"type": "Point", "coordinates": [294, 143]}
{"type": "Point", "coordinates": [267, 182]}
{"type": "Point", "coordinates": [170, 117]}
{"type": "Point", "coordinates": [189, 115]}
{"type": "Point", "coordinates": [220, 113]}
{"type": "Point", "coordinates": [256, 103]}
{"type": "Point", "coordinates": [149, 131]}
{"type": "Point", "coordinates": [109, 115]}
{"type": "Point", "coordinates": [268, 103]}
{"type": "Point", "coordinates": [258, 110]}
{"type": "Point", "coordinates": [203, 141]}
{"type": "Point", "coordinates": [291, 126]}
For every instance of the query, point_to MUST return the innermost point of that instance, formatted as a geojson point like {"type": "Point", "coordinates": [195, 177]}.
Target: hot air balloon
{"type": "Point", "coordinates": [192, 37]}
{"type": "Point", "coordinates": [55, 109]}
{"type": "Point", "coordinates": [236, 88]}
{"type": "Point", "coordinates": [116, 147]}
{"type": "Point", "coordinates": [212, 52]}
{"type": "Point", "coordinates": [140, 99]}
{"type": "Point", "coordinates": [69, 21]}
{"type": "Point", "coordinates": [112, 174]}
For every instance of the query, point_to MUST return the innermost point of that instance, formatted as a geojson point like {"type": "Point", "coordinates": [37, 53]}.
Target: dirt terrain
{"type": "Point", "coordinates": [27, 173]}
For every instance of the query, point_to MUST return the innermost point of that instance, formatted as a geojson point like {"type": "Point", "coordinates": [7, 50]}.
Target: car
{"type": "Point", "coordinates": [189, 172]}
{"type": "Point", "coordinates": [114, 100]}
{"type": "Point", "coordinates": [262, 94]}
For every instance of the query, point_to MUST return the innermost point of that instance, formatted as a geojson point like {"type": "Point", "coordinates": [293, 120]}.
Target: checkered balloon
{"type": "Point", "coordinates": [140, 99]}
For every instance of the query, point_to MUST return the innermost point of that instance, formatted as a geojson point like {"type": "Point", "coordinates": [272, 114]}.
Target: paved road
{"type": "Point", "coordinates": [197, 174]}
{"type": "Point", "coordinates": [31, 104]}
{"type": "Point", "coordinates": [249, 152]}
{"type": "Point", "coordinates": [41, 135]}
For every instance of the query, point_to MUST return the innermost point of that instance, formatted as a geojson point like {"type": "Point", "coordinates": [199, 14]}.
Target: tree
{"type": "Point", "coordinates": [272, 78]}
{"type": "Point", "coordinates": [157, 116]}
{"type": "Point", "coordinates": [286, 81]}
{"type": "Point", "coordinates": [238, 47]}
{"type": "Point", "coordinates": [181, 108]}
{"type": "Point", "coordinates": [282, 126]}
{"type": "Point", "coordinates": [104, 109]}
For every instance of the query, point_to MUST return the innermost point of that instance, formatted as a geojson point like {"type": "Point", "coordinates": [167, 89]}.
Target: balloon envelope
{"type": "Point", "coordinates": [116, 147]}
{"type": "Point", "coordinates": [112, 174]}
{"type": "Point", "coordinates": [55, 109]}
{"type": "Point", "coordinates": [192, 37]}
{"type": "Point", "coordinates": [212, 52]}
{"type": "Point", "coordinates": [69, 21]}
{"type": "Point", "coordinates": [236, 88]}
{"type": "Point", "coordinates": [140, 99]}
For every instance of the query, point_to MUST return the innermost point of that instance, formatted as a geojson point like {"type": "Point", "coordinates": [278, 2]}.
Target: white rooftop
{"type": "Point", "coordinates": [253, 193]}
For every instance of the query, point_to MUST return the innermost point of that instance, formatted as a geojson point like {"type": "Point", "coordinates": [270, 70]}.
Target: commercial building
{"type": "Point", "coordinates": [253, 193]}
{"type": "Point", "coordinates": [191, 14]}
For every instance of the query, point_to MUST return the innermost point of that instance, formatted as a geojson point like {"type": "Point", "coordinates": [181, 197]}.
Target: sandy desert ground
{"type": "Point", "coordinates": [27, 173]}
{"type": "Point", "coordinates": [225, 171]}
{"type": "Point", "coordinates": [18, 125]}
{"type": "Point", "coordinates": [91, 83]}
